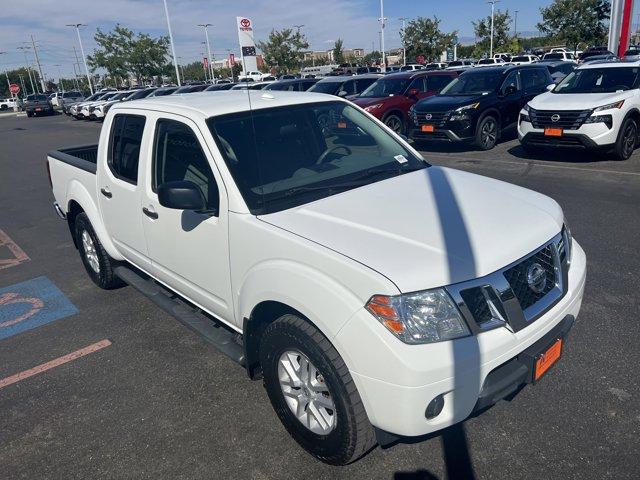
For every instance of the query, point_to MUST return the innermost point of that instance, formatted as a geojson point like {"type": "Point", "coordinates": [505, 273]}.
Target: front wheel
{"type": "Point", "coordinates": [313, 393]}
{"type": "Point", "coordinates": [395, 123]}
{"type": "Point", "coordinates": [487, 133]}
{"type": "Point", "coordinates": [627, 140]}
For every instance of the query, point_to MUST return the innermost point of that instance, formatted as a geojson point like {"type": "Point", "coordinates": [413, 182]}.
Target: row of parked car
{"type": "Point", "coordinates": [595, 105]}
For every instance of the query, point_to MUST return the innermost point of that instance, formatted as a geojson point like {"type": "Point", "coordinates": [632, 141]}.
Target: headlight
{"type": "Point", "coordinates": [373, 107]}
{"type": "Point", "coordinates": [606, 119]}
{"type": "Point", "coordinates": [526, 108]}
{"type": "Point", "coordinates": [421, 317]}
{"type": "Point", "coordinates": [462, 113]}
{"type": "Point", "coordinates": [610, 106]}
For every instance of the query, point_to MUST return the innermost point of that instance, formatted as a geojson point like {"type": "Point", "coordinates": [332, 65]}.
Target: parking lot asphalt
{"type": "Point", "coordinates": [159, 402]}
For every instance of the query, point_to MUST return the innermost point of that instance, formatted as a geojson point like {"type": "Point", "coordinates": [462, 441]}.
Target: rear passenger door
{"type": "Point", "coordinates": [119, 188]}
{"type": "Point", "coordinates": [189, 250]}
{"type": "Point", "coordinates": [511, 102]}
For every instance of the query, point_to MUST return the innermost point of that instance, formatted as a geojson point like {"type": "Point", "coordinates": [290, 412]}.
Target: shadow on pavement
{"type": "Point", "coordinates": [561, 155]}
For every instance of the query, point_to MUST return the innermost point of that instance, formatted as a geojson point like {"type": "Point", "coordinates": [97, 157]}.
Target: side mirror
{"type": "Point", "coordinates": [181, 195]}
{"type": "Point", "coordinates": [413, 92]}
{"type": "Point", "coordinates": [551, 87]}
{"type": "Point", "coordinates": [342, 93]}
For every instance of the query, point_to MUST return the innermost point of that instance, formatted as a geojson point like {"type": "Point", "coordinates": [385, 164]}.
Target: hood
{"type": "Point", "coordinates": [576, 101]}
{"type": "Point", "coordinates": [442, 103]}
{"type": "Point", "coordinates": [368, 101]}
{"type": "Point", "coordinates": [428, 228]}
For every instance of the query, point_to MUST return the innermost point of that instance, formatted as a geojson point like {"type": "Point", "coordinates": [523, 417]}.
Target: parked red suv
{"type": "Point", "coordinates": [391, 96]}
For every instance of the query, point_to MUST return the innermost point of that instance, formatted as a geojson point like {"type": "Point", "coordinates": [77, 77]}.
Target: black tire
{"type": "Point", "coordinates": [487, 133]}
{"type": "Point", "coordinates": [104, 276]}
{"type": "Point", "coordinates": [395, 123]}
{"type": "Point", "coordinates": [627, 139]}
{"type": "Point", "coordinates": [29, 114]}
{"type": "Point", "coordinates": [352, 435]}
{"type": "Point", "coordinates": [4, 107]}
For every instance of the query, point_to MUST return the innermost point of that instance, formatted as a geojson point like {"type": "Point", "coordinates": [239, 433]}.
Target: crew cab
{"type": "Point", "coordinates": [376, 296]}
{"type": "Point", "coordinates": [597, 106]}
{"type": "Point", "coordinates": [478, 106]}
{"type": "Point", "coordinates": [391, 96]}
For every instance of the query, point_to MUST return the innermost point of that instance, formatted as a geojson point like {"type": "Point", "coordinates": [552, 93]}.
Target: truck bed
{"type": "Point", "coordinates": [84, 157]}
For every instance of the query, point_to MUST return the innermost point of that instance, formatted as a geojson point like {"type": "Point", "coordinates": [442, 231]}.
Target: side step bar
{"type": "Point", "coordinates": [217, 335]}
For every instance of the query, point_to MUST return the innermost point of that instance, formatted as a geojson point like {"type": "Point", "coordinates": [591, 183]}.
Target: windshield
{"type": "Point", "coordinates": [554, 56]}
{"type": "Point", "coordinates": [473, 83]}
{"type": "Point", "coordinates": [37, 98]}
{"type": "Point", "coordinates": [120, 96]}
{"type": "Point", "coordinates": [164, 91]}
{"type": "Point", "coordinates": [326, 87]}
{"type": "Point", "coordinates": [599, 80]}
{"type": "Point", "coordinates": [386, 87]}
{"type": "Point", "coordinates": [301, 153]}
{"type": "Point", "coordinates": [520, 59]}
{"type": "Point", "coordinates": [487, 61]}
{"type": "Point", "coordinates": [107, 96]}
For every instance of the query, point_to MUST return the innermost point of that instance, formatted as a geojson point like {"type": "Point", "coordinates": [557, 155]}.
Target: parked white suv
{"type": "Point", "coordinates": [254, 76]}
{"type": "Point", "coordinates": [562, 56]}
{"type": "Point", "coordinates": [377, 296]}
{"type": "Point", "coordinates": [595, 106]}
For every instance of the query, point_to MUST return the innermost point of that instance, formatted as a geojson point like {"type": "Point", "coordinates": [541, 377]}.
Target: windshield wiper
{"type": "Point", "coordinates": [356, 181]}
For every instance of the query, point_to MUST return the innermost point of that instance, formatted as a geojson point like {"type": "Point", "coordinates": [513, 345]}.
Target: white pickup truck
{"type": "Point", "coordinates": [377, 296]}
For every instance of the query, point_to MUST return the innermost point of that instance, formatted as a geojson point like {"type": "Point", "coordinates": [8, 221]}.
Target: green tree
{"type": "Point", "coordinates": [423, 36]}
{"type": "Point", "coordinates": [575, 21]}
{"type": "Point", "coordinates": [373, 57]}
{"type": "Point", "coordinates": [338, 52]}
{"type": "Point", "coordinates": [501, 35]}
{"type": "Point", "coordinates": [283, 49]}
{"type": "Point", "coordinates": [121, 53]}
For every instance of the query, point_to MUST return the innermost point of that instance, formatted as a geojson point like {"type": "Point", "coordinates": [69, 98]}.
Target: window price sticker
{"type": "Point", "coordinates": [401, 159]}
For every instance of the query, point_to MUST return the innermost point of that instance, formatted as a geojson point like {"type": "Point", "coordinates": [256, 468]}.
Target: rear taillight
{"type": "Point", "coordinates": [49, 173]}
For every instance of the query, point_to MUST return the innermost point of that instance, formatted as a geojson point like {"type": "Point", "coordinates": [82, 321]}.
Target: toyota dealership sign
{"type": "Point", "coordinates": [247, 44]}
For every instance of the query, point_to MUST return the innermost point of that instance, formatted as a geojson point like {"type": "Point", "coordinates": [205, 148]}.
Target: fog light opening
{"type": "Point", "coordinates": [434, 408]}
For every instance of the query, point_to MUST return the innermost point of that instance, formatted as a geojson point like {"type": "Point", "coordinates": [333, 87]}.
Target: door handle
{"type": "Point", "coordinates": [106, 192]}
{"type": "Point", "coordinates": [149, 213]}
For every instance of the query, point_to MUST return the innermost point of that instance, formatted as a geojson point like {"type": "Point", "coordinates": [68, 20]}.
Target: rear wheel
{"type": "Point", "coordinates": [627, 139]}
{"type": "Point", "coordinates": [97, 262]}
{"type": "Point", "coordinates": [487, 133]}
{"type": "Point", "coordinates": [395, 123]}
{"type": "Point", "coordinates": [313, 393]}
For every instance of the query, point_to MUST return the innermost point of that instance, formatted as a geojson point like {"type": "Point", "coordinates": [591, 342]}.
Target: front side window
{"type": "Point", "coordinates": [419, 84]}
{"type": "Point", "coordinates": [385, 87]}
{"type": "Point", "coordinates": [331, 88]}
{"type": "Point", "coordinates": [512, 80]}
{"type": "Point", "coordinates": [124, 146]}
{"type": "Point", "coordinates": [473, 83]}
{"type": "Point", "coordinates": [599, 80]}
{"type": "Point", "coordinates": [178, 156]}
{"type": "Point", "coordinates": [286, 156]}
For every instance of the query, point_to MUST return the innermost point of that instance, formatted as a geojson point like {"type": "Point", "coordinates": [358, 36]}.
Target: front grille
{"type": "Point", "coordinates": [477, 304]}
{"type": "Point", "coordinates": [517, 277]}
{"type": "Point", "coordinates": [565, 119]}
{"type": "Point", "coordinates": [517, 294]}
{"type": "Point", "coordinates": [437, 119]}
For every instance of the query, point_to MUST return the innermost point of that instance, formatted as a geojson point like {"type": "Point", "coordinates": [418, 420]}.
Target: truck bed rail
{"type": "Point", "coordinates": [84, 157]}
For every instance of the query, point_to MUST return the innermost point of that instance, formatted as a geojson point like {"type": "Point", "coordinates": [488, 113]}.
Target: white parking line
{"type": "Point", "coordinates": [528, 162]}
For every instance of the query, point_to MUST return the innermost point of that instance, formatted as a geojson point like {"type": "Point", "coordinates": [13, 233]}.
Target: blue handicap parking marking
{"type": "Point", "coordinates": [30, 304]}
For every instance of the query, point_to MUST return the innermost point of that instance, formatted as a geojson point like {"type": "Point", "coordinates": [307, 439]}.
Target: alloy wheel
{"type": "Point", "coordinates": [306, 393]}
{"type": "Point", "coordinates": [90, 252]}
{"type": "Point", "coordinates": [489, 133]}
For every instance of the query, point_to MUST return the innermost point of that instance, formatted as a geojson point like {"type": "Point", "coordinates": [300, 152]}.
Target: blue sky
{"type": "Point", "coordinates": [355, 21]}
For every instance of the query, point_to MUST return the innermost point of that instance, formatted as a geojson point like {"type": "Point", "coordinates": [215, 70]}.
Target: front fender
{"type": "Point", "coordinates": [326, 302]}
{"type": "Point", "coordinates": [77, 192]}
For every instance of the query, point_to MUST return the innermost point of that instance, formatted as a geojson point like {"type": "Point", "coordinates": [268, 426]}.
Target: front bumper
{"type": "Point", "coordinates": [589, 135]}
{"type": "Point", "coordinates": [398, 382]}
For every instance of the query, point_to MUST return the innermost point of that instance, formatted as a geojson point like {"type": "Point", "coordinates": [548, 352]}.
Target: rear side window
{"type": "Point", "coordinates": [418, 84]}
{"type": "Point", "coordinates": [438, 82]}
{"type": "Point", "coordinates": [124, 147]}
{"type": "Point", "coordinates": [177, 156]}
{"type": "Point", "coordinates": [363, 83]}
{"type": "Point", "coordinates": [534, 79]}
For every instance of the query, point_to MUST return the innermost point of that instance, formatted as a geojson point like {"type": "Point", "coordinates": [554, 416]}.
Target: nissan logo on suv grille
{"type": "Point", "coordinates": [555, 117]}
{"type": "Point", "coordinates": [428, 116]}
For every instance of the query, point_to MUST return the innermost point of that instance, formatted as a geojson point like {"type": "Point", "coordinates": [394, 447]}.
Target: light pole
{"type": "Point", "coordinates": [493, 4]}
{"type": "Point", "coordinates": [13, 96]}
{"type": "Point", "coordinates": [298, 27]}
{"type": "Point", "coordinates": [35, 51]}
{"type": "Point", "coordinates": [26, 60]}
{"type": "Point", "coordinates": [515, 24]}
{"type": "Point", "coordinates": [60, 84]}
{"type": "Point", "coordinates": [382, 19]}
{"type": "Point", "coordinates": [206, 34]}
{"type": "Point", "coordinates": [404, 45]}
{"type": "Point", "coordinates": [84, 59]}
{"type": "Point", "coordinates": [173, 48]}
